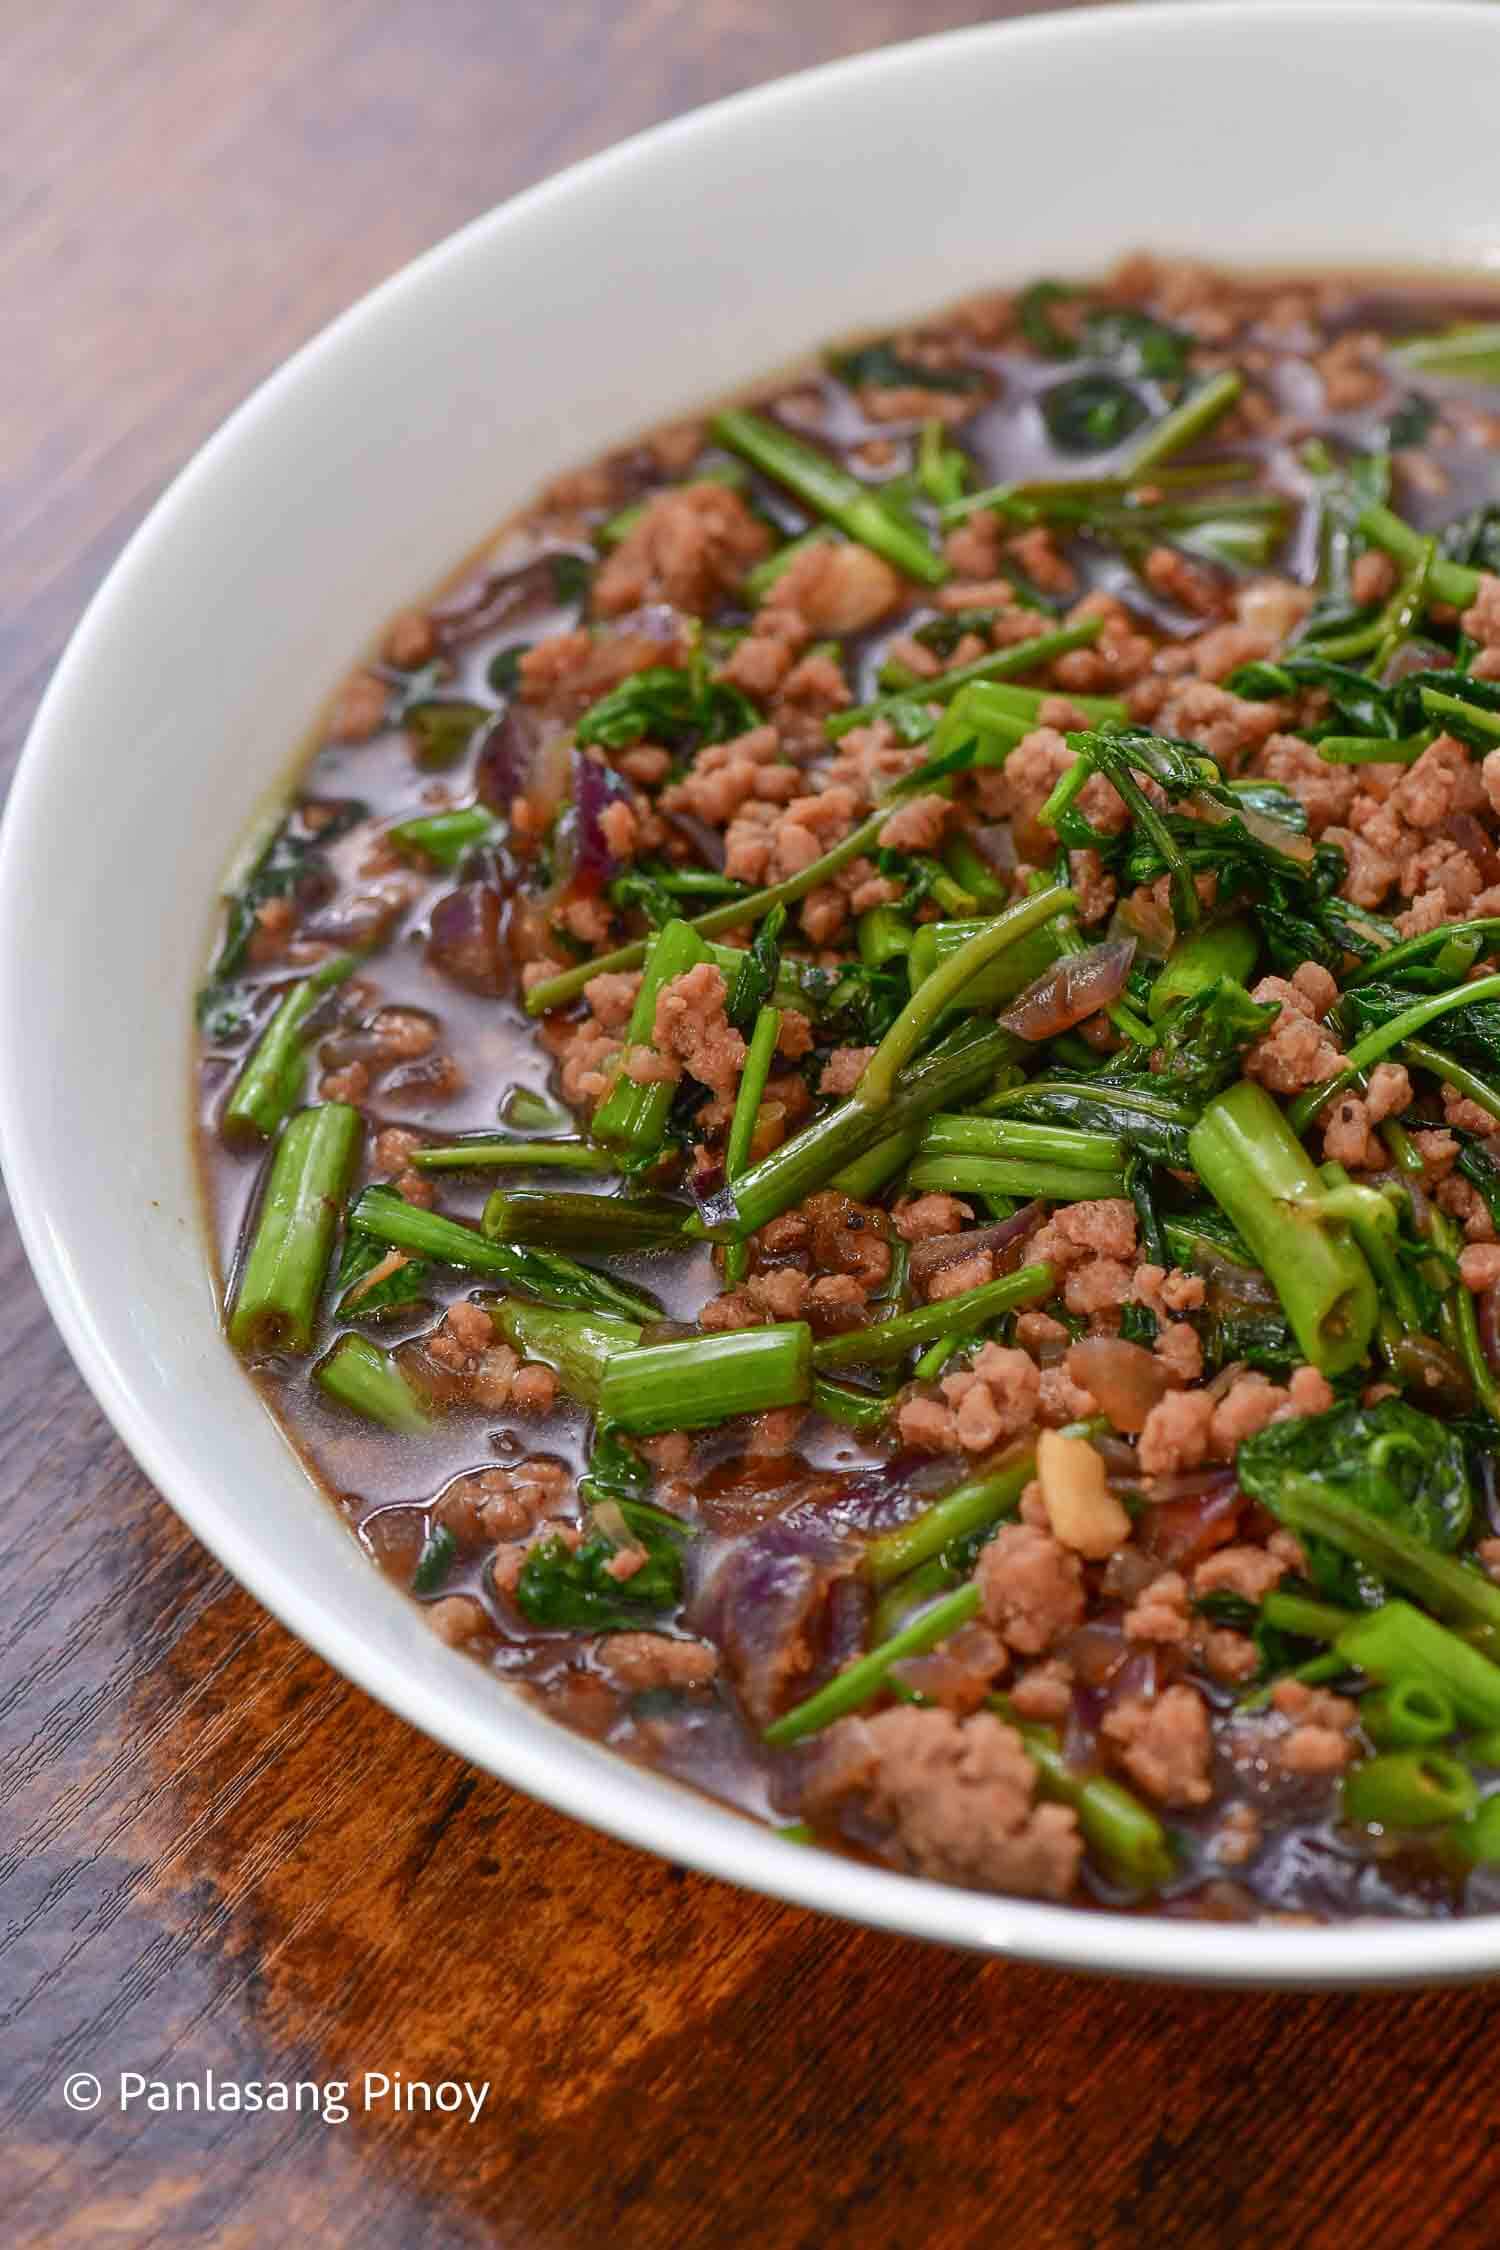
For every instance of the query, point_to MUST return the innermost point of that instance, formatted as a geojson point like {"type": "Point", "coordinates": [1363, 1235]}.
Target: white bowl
{"type": "Point", "coordinates": [631, 288]}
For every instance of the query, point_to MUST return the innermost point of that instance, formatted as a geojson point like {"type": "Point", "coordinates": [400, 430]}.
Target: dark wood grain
{"type": "Point", "coordinates": [216, 1855]}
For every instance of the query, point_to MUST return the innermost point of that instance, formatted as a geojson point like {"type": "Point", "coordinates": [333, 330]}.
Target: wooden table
{"type": "Point", "coordinates": [216, 1855]}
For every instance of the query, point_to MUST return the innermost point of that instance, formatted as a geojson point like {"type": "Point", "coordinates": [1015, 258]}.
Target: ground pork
{"type": "Point", "coordinates": [611, 997]}
{"type": "Point", "coordinates": [1325, 792]}
{"type": "Point", "coordinates": [359, 711]}
{"type": "Point", "coordinates": [691, 1033]}
{"type": "Point", "coordinates": [1296, 1051]}
{"type": "Point", "coordinates": [1443, 781]}
{"type": "Point", "coordinates": [456, 1618]}
{"type": "Point", "coordinates": [567, 672]}
{"type": "Point", "coordinates": [962, 1275]}
{"type": "Point", "coordinates": [927, 1217]}
{"type": "Point", "coordinates": [1161, 1615]}
{"type": "Point", "coordinates": [1164, 1744]}
{"type": "Point", "coordinates": [1482, 619]}
{"type": "Point", "coordinates": [837, 587]}
{"type": "Point", "coordinates": [690, 547]}
{"type": "Point", "coordinates": [782, 1293]}
{"type": "Point", "coordinates": [726, 775]}
{"type": "Point", "coordinates": [980, 1406]}
{"type": "Point", "coordinates": [1247, 1571]}
{"type": "Point", "coordinates": [950, 1798]}
{"type": "Point", "coordinates": [1017, 790]}
{"type": "Point", "coordinates": [588, 1064]}
{"type": "Point", "coordinates": [917, 825]}
{"type": "Point", "coordinates": [461, 1361]}
{"type": "Point", "coordinates": [505, 1502]}
{"type": "Point", "coordinates": [843, 1070]}
{"type": "Point", "coordinates": [1479, 1265]}
{"type": "Point", "coordinates": [1031, 1587]}
{"type": "Point", "coordinates": [1321, 1737]}
{"type": "Point", "coordinates": [1091, 1246]}
{"type": "Point", "coordinates": [1349, 1124]}
{"type": "Point", "coordinates": [655, 1660]}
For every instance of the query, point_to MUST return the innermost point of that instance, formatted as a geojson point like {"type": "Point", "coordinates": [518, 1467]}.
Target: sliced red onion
{"type": "Point", "coordinates": [1076, 987]}
{"type": "Point", "coordinates": [1470, 837]}
{"type": "Point", "coordinates": [769, 1596]}
{"type": "Point", "coordinates": [595, 787]}
{"type": "Point", "coordinates": [1126, 1379]}
{"type": "Point", "coordinates": [1487, 1312]}
{"type": "Point", "coordinates": [1275, 834]}
{"type": "Point", "coordinates": [497, 598]}
{"type": "Point", "coordinates": [464, 937]}
{"type": "Point", "coordinates": [996, 846]}
{"type": "Point", "coordinates": [507, 758]}
{"type": "Point", "coordinates": [1006, 1238]}
{"type": "Point", "coordinates": [705, 842]}
{"type": "Point", "coordinates": [1179, 1531]}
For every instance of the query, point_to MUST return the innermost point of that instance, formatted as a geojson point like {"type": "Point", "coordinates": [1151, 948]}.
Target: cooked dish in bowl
{"type": "Point", "coordinates": [853, 1114]}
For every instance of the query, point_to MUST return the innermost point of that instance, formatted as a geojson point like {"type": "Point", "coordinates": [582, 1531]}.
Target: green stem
{"type": "Point", "coordinates": [270, 1085]}
{"type": "Point", "coordinates": [987, 889]}
{"type": "Point", "coordinates": [1308, 1620]}
{"type": "Point", "coordinates": [1008, 975]}
{"type": "Point", "coordinates": [935, 993]}
{"type": "Point", "coordinates": [1410, 1714]}
{"type": "Point", "coordinates": [1485, 928]}
{"type": "Point", "coordinates": [1186, 423]}
{"type": "Point", "coordinates": [1205, 957]}
{"type": "Point", "coordinates": [1454, 706]}
{"type": "Point", "coordinates": [1257, 1171]}
{"type": "Point", "coordinates": [883, 934]}
{"type": "Point", "coordinates": [276, 1302]}
{"type": "Point", "coordinates": [831, 1143]}
{"type": "Point", "coordinates": [360, 1375]}
{"type": "Point", "coordinates": [1478, 1837]}
{"type": "Point", "coordinates": [1000, 664]}
{"type": "Point", "coordinates": [860, 1682]}
{"type": "Point", "coordinates": [545, 1275]}
{"type": "Point", "coordinates": [1398, 1642]}
{"type": "Point", "coordinates": [1028, 1182]}
{"type": "Point", "coordinates": [890, 1340]}
{"type": "Point", "coordinates": [1367, 750]}
{"type": "Point", "coordinates": [1382, 1039]}
{"type": "Point", "coordinates": [1447, 581]}
{"type": "Point", "coordinates": [566, 986]}
{"type": "Point", "coordinates": [1028, 503]}
{"type": "Point", "coordinates": [759, 1057]}
{"type": "Point", "coordinates": [576, 1345]}
{"type": "Point", "coordinates": [830, 490]}
{"type": "Point", "coordinates": [946, 1135]}
{"type": "Point", "coordinates": [759, 581]}
{"type": "Point", "coordinates": [707, 1379]}
{"type": "Point", "coordinates": [1409, 1789]}
{"type": "Point", "coordinates": [958, 1515]}
{"type": "Point", "coordinates": [632, 1117]}
{"type": "Point", "coordinates": [863, 1179]}
{"type": "Point", "coordinates": [487, 1152]}
{"type": "Point", "coordinates": [445, 837]}
{"type": "Point", "coordinates": [1129, 1843]}
{"type": "Point", "coordinates": [865, 1411]}
{"type": "Point", "coordinates": [941, 468]}
{"type": "Point", "coordinates": [613, 1225]}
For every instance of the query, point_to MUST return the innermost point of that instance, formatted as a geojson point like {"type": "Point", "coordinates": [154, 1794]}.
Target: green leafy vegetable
{"type": "Point", "coordinates": [676, 706]}
{"type": "Point", "coordinates": [572, 1589]}
{"type": "Point", "coordinates": [880, 366]}
{"type": "Point", "coordinates": [290, 859]}
{"type": "Point", "coordinates": [406, 1285]}
{"type": "Point", "coordinates": [1092, 413]}
{"type": "Point", "coordinates": [1392, 1461]}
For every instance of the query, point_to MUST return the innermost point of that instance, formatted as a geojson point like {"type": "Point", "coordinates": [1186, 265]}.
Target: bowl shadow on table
{"type": "Point", "coordinates": [298, 1887]}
